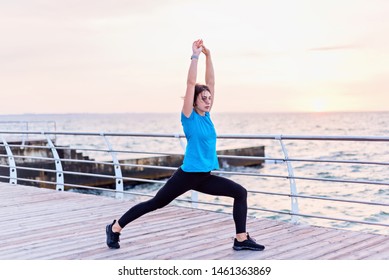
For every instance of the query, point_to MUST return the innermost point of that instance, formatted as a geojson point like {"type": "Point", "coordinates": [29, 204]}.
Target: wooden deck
{"type": "Point", "coordinates": [45, 224]}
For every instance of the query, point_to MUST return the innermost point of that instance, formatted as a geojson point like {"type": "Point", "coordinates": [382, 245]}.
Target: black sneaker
{"type": "Point", "coordinates": [248, 244]}
{"type": "Point", "coordinates": [112, 237]}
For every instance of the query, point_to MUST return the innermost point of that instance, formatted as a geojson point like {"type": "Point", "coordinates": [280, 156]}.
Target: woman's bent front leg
{"type": "Point", "coordinates": [179, 183]}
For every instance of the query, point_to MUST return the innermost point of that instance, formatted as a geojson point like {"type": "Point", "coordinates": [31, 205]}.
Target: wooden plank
{"type": "Point", "coordinates": [48, 234]}
{"type": "Point", "coordinates": [328, 245]}
{"type": "Point", "coordinates": [378, 252]}
{"type": "Point", "coordinates": [264, 234]}
{"type": "Point", "coordinates": [146, 241]}
{"type": "Point", "coordinates": [286, 243]}
{"type": "Point", "coordinates": [74, 241]}
{"type": "Point", "coordinates": [351, 252]}
{"type": "Point", "coordinates": [46, 224]}
{"type": "Point", "coordinates": [145, 246]}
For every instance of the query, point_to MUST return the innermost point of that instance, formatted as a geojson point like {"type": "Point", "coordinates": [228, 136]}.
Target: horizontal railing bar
{"type": "Point", "coordinates": [301, 178]}
{"type": "Point", "coordinates": [64, 172]}
{"type": "Point", "coordinates": [24, 146]}
{"type": "Point", "coordinates": [30, 157]}
{"type": "Point", "coordinates": [63, 159]}
{"type": "Point", "coordinates": [322, 198]}
{"type": "Point", "coordinates": [304, 137]}
{"type": "Point", "coordinates": [341, 181]}
{"type": "Point", "coordinates": [310, 216]}
{"type": "Point", "coordinates": [31, 180]}
{"type": "Point", "coordinates": [303, 160]}
{"type": "Point", "coordinates": [87, 187]}
{"type": "Point", "coordinates": [93, 162]}
{"type": "Point", "coordinates": [148, 195]}
{"type": "Point", "coordinates": [26, 122]}
{"type": "Point", "coordinates": [92, 149]}
{"type": "Point", "coordinates": [162, 135]}
{"type": "Point", "coordinates": [221, 136]}
{"type": "Point", "coordinates": [325, 217]}
{"type": "Point", "coordinates": [67, 185]}
{"type": "Point", "coordinates": [71, 185]}
{"type": "Point", "coordinates": [149, 166]}
{"type": "Point", "coordinates": [219, 156]}
{"type": "Point", "coordinates": [334, 161]}
{"type": "Point", "coordinates": [79, 186]}
{"type": "Point", "coordinates": [210, 210]}
{"type": "Point", "coordinates": [343, 220]}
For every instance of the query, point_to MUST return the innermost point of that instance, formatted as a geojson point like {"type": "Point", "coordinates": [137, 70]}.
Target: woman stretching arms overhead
{"type": "Point", "coordinates": [199, 160]}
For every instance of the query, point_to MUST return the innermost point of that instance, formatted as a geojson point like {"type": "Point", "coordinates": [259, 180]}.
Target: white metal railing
{"type": "Point", "coordinates": [12, 165]}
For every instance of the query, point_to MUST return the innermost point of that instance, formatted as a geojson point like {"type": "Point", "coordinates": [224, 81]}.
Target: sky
{"type": "Point", "coordinates": [100, 56]}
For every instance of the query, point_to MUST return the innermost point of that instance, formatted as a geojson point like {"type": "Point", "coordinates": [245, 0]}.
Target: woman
{"type": "Point", "coordinates": [200, 159]}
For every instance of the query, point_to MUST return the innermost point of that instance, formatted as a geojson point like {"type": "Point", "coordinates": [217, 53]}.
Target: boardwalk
{"type": "Point", "coordinates": [46, 224]}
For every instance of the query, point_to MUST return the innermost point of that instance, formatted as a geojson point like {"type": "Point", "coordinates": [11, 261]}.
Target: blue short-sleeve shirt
{"type": "Point", "coordinates": [200, 154]}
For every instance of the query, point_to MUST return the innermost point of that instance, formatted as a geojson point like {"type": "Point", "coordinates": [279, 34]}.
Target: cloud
{"type": "Point", "coordinates": [334, 48]}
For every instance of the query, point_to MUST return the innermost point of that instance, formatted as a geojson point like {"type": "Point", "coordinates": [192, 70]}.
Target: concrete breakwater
{"type": "Point", "coordinates": [34, 165]}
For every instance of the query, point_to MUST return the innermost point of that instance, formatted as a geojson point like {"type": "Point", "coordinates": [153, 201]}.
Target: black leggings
{"type": "Point", "coordinates": [204, 182]}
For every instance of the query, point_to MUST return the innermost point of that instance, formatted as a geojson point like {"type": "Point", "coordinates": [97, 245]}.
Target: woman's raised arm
{"type": "Point", "coordinates": [187, 108]}
{"type": "Point", "coordinates": [209, 71]}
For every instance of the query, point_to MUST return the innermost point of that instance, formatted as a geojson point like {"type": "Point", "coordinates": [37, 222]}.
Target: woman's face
{"type": "Point", "coordinates": [203, 102]}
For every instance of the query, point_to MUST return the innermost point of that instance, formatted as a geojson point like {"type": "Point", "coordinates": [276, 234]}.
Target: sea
{"type": "Point", "coordinates": [297, 124]}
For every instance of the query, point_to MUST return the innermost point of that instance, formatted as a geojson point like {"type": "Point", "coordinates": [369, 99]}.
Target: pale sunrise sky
{"type": "Point", "coordinates": [88, 56]}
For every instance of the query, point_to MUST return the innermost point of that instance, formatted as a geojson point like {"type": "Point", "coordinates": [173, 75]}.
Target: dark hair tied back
{"type": "Point", "coordinates": [199, 88]}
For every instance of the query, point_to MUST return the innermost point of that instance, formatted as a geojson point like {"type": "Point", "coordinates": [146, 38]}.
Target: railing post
{"type": "Point", "coordinates": [58, 164]}
{"type": "Point", "coordinates": [293, 188]}
{"type": "Point", "coordinates": [13, 177]}
{"type": "Point", "coordinates": [117, 169]}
